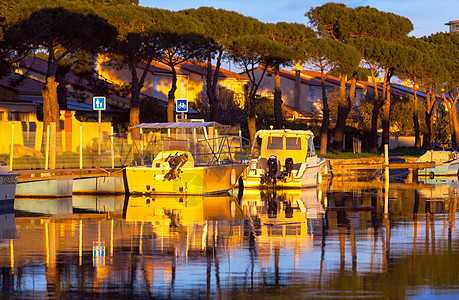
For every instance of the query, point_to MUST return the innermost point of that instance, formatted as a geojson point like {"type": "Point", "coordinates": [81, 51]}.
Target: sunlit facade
{"type": "Point", "coordinates": [453, 26]}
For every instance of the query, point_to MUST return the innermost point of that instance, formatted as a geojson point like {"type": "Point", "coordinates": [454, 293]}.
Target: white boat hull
{"type": "Point", "coordinates": [448, 168]}
{"type": "Point", "coordinates": [8, 182]}
{"type": "Point", "coordinates": [197, 180]}
{"type": "Point", "coordinates": [306, 176]}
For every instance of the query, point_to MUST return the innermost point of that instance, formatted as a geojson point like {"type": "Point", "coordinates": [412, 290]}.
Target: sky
{"type": "Point", "coordinates": [427, 16]}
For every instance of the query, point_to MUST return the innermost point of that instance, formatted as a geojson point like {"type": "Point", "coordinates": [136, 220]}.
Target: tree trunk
{"type": "Point", "coordinates": [374, 118]}
{"type": "Point", "coordinates": [278, 100]}
{"type": "Point", "coordinates": [325, 119]}
{"type": "Point", "coordinates": [452, 114]}
{"type": "Point", "coordinates": [344, 106]}
{"type": "Point", "coordinates": [386, 108]}
{"type": "Point", "coordinates": [251, 123]}
{"type": "Point", "coordinates": [51, 114]}
{"type": "Point", "coordinates": [385, 121]}
{"type": "Point", "coordinates": [171, 96]}
{"type": "Point", "coordinates": [417, 137]}
{"type": "Point", "coordinates": [251, 119]}
{"type": "Point", "coordinates": [453, 100]}
{"type": "Point", "coordinates": [135, 103]}
{"type": "Point", "coordinates": [426, 141]}
{"type": "Point", "coordinates": [211, 97]}
{"type": "Point", "coordinates": [61, 91]}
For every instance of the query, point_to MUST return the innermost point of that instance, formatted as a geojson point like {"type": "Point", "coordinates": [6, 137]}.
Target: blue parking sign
{"type": "Point", "coordinates": [98, 103]}
{"type": "Point", "coordinates": [181, 106]}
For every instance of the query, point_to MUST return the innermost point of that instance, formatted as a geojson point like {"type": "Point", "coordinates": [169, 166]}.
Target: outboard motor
{"type": "Point", "coordinates": [288, 168]}
{"type": "Point", "coordinates": [288, 165]}
{"type": "Point", "coordinates": [271, 170]}
{"type": "Point", "coordinates": [272, 166]}
{"type": "Point", "coordinates": [175, 162]}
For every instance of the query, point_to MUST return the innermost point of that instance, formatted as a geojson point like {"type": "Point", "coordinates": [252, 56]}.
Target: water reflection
{"type": "Point", "coordinates": [351, 241]}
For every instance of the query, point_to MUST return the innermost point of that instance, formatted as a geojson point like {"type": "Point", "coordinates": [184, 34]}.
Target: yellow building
{"type": "Point", "coordinates": [191, 80]}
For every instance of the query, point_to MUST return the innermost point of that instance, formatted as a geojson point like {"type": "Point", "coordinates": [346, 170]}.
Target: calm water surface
{"type": "Point", "coordinates": [345, 240]}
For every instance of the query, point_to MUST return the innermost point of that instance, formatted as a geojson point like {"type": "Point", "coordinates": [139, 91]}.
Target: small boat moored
{"type": "Point", "coordinates": [189, 158]}
{"type": "Point", "coordinates": [292, 148]}
{"type": "Point", "coordinates": [8, 182]}
{"type": "Point", "coordinates": [446, 162]}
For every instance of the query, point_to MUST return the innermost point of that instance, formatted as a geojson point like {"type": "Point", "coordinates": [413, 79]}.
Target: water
{"type": "Point", "coordinates": [348, 240]}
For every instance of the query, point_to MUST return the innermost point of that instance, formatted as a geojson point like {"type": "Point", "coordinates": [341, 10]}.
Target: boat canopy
{"type": "Point", "coordinates": [281, 132]}
{"type": "Point", "coordinates": [180, 125]}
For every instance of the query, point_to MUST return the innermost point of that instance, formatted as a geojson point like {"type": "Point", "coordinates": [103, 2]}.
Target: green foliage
{"type": "Point", "coordinates": [339, 22]}
{"type": "Point", "coordinates": [264, 109]}
{"type": "Point", "coordinates": [230, 110]}
{"type": "Point", "coordinates": [366, 111]}
{"type": "Point", "coordinates": [401, 115]}
{"type": "Point", "coordinates": [441, 130]}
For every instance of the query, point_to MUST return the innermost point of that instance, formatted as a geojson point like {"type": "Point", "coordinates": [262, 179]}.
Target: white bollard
{"type": "Point", "coordinates": [112, 150]}
{"type": "Point", "coordinates": [12, 147]}
{"type": "Point", "coordinates": [81, 146]}
{"type": "Point", "coordinates": [47, 148]}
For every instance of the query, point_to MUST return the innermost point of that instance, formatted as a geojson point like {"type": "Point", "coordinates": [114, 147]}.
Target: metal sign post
{"type": "Point", "coordinates": [181, 107]}
{"type": "Point", "coordinates": [98, 103]}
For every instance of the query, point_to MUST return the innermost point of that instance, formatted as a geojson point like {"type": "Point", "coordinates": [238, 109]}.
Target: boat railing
{"type": "Point", "coordinates": [219, 150]}
{"type": "Point", "coordinates": [323, 154]}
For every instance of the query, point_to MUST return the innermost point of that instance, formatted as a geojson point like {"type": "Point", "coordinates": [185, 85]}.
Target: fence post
{"type": "Point", "coordinates": [112, 150]}
{"type": "Point", "coordinates": [12, 147]}
{"type": "Point", "coordinates": [81, 146]}
{"type": "Point", "coordinates": [141, 146]}
{"type": "Point", "coordinates": [47, 148]}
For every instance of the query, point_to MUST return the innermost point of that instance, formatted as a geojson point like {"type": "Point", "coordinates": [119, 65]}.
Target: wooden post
{"type": "Point", "coordinates": [141, 146]}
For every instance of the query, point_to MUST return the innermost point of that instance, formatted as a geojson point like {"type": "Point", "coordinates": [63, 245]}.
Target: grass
{"type": "Point", "coordinates": [348, 155]}
{"type": "Point", "coordinates": [400, 152]}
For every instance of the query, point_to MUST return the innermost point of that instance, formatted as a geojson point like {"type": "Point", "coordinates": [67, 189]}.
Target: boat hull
{"type": "Point", "coordinates": [197, 180]}
{"type": "Point", "coordinates": [449, 168]}
{"type": "Point", "coordinates": [8, 182]}
{"type": "Point", "coordinates": [307, 176]}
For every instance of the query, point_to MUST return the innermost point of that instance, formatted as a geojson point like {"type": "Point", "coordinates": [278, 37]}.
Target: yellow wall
{"type": "Point", "coordinates": [30, 134]}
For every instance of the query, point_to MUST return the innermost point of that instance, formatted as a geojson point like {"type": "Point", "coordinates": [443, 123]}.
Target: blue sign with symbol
{"type": "Point", "coordinates": [98, 103]}
{"type": "Point", "coordinates": [181, 106]}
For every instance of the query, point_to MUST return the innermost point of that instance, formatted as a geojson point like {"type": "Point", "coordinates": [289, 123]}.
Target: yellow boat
{"type": "Point", "coordinates": [193, 158]}
{"type": "Point", "coordinates": [292, 148]}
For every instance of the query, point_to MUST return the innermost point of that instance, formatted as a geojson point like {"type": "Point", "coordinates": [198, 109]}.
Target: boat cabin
{"type": "Point", "coordinates": [285, 143]}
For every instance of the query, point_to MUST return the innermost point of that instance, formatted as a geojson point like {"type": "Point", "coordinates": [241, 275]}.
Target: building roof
{"type": "Point", "coordinates": [200, 68]}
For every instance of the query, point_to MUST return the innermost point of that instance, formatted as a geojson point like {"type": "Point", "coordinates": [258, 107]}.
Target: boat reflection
{"type": "Point", "coordinates": [8, 230]}
{"type": "Point", "coordinates": [181, 210]}
{"type": "Point", "coordinates": [56, 206]}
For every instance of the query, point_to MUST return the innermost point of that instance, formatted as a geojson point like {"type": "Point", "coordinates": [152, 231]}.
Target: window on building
{"type": "Point", "coordinates": [1, 116]}
{"type": "Point", "coordinates": [156, 87]}
{"type": "Point", "coordinates": [20, 116]}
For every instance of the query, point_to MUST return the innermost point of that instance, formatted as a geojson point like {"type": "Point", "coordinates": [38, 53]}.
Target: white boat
{"type": "Point", "coordinates": [190, 158]}
{"type": "Point", "coordinates": [8, 182]}
{"type": "Point", "coordinates": [294, 149]}
{"type": "Point", "coordinates": [445, 162]}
